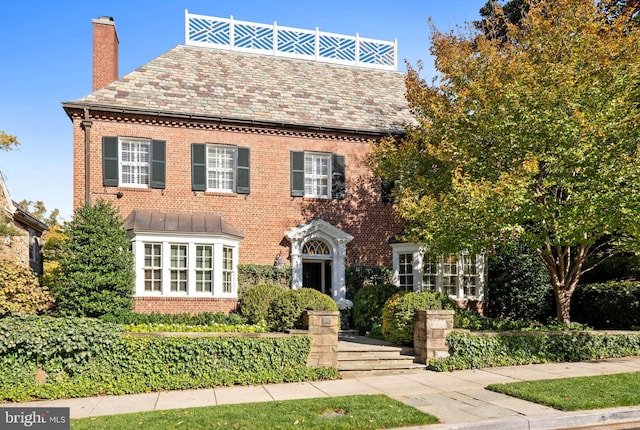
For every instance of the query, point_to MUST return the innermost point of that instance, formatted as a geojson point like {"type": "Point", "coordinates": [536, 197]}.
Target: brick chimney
{"type": "Point", "coordinates": [105, 52]}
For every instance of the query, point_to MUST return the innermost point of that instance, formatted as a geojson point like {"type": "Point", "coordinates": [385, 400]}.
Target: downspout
{"type": "Point", "coordinates": [86, 125]}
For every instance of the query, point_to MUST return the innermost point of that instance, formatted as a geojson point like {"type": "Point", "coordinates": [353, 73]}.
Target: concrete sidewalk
{"type": "Point", "coordinates": [457, 398]}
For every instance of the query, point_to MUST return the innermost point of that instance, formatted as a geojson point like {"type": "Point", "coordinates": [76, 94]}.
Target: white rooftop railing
{"type": "Point", "coordinates": [229, 34]}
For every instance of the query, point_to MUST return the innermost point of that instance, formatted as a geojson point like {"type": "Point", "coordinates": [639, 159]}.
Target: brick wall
{"type": "Point", "coordinates": [265, 214]}
{"type": "Point", "coordinates": [105, 52]}
{"type": "Point", "coordinates": [178, 305]}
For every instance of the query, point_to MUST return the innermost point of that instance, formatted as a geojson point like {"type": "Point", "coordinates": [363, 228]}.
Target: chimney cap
{"type": "Point", "coordinates": [104, 20]}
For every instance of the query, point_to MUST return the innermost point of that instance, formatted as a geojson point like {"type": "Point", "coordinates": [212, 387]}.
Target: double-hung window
{"type": "Point", "coordinates": [220, 168]}
{"type": "Point", "coordinates": [152, 267]}
{"type": "Point", "coordinates": [178, 268]}
{"type": "Point", "coordinates": [227, 269]}
{"type": "Point", "coordinates": [318, 175]}
{"type": "Point", "coordinates": [133, 162]}
{"type": "Point", "coordinates": [405, 271]}
{"type": "Point", "coordinates": [204, 268]}
{"type": "Point", "coordinates": [134, 165]}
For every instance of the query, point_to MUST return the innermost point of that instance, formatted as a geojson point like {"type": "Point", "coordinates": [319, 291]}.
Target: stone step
{"type": "Point", "coordinates": [364, 355]}
{"type": "Point", "coordinates": [376, 361]}
{"type": "Point", "coordinates": [359, 356]}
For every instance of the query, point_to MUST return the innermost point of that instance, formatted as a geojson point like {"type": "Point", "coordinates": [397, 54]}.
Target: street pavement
{"type": "Point", "coordinates": [459, 399]}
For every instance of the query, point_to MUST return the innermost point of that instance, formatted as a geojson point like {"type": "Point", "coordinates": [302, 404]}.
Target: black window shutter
{"type": "Point", "coordinates": [243, 171]}
{"type": "Point", "coordinates": [158, 164]}
{"type": "Point", "coordinates": [338, 177]}
{"type": "Point", "coordinates": [387, 191]}
{"type": "Point", "coordinates": [109, 161]}
{"type": "Point", "coordinates": [198, 167]}
{"type": "Point", "coordinates": [297, 173]}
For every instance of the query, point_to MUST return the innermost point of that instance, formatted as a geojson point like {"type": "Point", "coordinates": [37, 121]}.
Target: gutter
{"type": "Point", "coordinates": [231, 121]}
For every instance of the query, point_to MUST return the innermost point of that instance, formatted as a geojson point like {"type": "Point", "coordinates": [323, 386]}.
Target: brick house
{"type": "Point", "coordinates": [219, 154]}
{"type": "Point", "coordinates": [24, 244]}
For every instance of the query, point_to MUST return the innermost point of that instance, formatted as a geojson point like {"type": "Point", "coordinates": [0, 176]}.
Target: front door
{"type": "Point", "coordinates": [317, 275]}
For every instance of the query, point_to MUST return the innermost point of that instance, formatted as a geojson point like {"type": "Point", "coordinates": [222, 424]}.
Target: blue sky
{"type": "Point", "coordinates": [45, 50]}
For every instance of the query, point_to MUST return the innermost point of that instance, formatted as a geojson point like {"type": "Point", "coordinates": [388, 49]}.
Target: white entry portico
{"type": "Point", "coordinates": [322, 246]}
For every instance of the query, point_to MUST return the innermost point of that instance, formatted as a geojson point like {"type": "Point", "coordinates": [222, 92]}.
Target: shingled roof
{"type": "Point", "coordinates": [236, 86]}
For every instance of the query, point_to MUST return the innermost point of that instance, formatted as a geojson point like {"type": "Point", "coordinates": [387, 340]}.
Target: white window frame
{"type": "Point", "coordinates": [178, 267]}
{"type": "Point", "coordinates": [215, 153]}
{"type": "Point", "coordinates": [165, 241]}
{"type": "Point", "coordinates": [204, 269]}
{"type": "Point", "coordinates": [152, 268]}
{"type": "Point", "coordinates": [313, 179]}
{"type": "Point", "coordinates": [136, 163]}
{"type": "Point", "coordinates": [460, 290]}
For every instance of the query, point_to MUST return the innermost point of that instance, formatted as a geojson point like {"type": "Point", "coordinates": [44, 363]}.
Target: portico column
{"type": "Point", "coordinates": [338, 279]}
{"type": "Point", "coordinates": [296, 265]}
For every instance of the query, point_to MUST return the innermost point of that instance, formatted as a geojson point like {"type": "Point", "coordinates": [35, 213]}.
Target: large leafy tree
{"type": "Point", "coordinates": [7, 141]}
{"type": "Point", "coordinates": [531, 138]}
{"type": "Point", "coordinates": [96, 266]}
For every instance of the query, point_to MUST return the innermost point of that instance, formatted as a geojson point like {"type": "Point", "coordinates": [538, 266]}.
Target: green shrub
{"type": "Point", "coordinates": [518, 286]}
{"type": "Point", "coordinates": [201, 319]}
{"type": "Point", "coordinates": [256, 274]}
{"type": "Point", "coordinates": [367, 306]}
{"type": "Point", "coordinates": [399, 313]}
{"type": "Point", "coordinates": [256, 300]}
{"type": "Point", "coordinates": [614, 304]}
{"type": "Point", "coordinates": [469, 351]}
{"type": "Point", "coordinates": [86, 357]}
{"type": "Point", "coordinates": [285, 311]}
{"type": "Point", "coordinates": [357, 277]}
{"type": "Point", "coordinates": [261, 327]}
{"type": "Point", "coordinates": [96, 265]}
{"type": "Point", "coordinates": [20, 291]}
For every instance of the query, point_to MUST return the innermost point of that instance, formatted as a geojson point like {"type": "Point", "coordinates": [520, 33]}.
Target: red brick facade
{"type": "Point", "coordinates": [105, 52]}
{"type": "Point", "coordinates": [269, 210]}
{"type": "Point", "coordinates": [177, 305]}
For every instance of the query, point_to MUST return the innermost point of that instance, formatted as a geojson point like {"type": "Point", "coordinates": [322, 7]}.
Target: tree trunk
{"type": "Point", "coordinates": [565, 269]}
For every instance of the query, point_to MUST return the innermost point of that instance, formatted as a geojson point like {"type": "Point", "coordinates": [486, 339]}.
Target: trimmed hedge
{"type": "Point", "coordinates": [201, 319]}
{"type": "Point", "coordinates": [614, 304]}
{"type": "Point", "coordinates": [367, 306]}
{"type": "Point", "coordinates": [470, 351]}
{"type": "Point", "coordinates": [83, 357]}
{"type": "Point", "coordinates": [256, 300]}
{"type": "Point", "coordinates": [255, 274]}
{"type": "Point", "coordinates": [285, 311]}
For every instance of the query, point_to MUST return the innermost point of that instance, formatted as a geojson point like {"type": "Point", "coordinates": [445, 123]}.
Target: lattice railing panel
{"type": "Point", "coordinates": [296, 42]}
{"type": "Point", "coordinates": [253, 36]}
{"type": "Point", "coordinates": [338, 48]}
{"type": "Point", "coordinates": [372, 52]}
{"type": "Point", "coordinates": [315, 45]}
{"type": "Point", "coordinates": [208, 30]}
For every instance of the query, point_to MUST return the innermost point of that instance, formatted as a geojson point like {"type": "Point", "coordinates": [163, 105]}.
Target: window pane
{"type": "Point", "coordinates": [316, 175]}
{"type": "Point", "coordinates": [152, 267]}
{"type": "Point", "coordinates": [220, 168]}
{"type": "Point", "coordinates": [227, 270]}
{"type": "Point", "coordinates": [134, 161]}
{"type": "Point", "coordinates": [204, 268]}
{"type": "Point", "coordinates": [178, 268]}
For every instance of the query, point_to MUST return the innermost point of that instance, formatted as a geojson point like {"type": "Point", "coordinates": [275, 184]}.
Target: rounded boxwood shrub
{"type": "Point", "coordinates": [285, 311]}
{"type": "Point", "coordinates": [255, 301]}
{"type": "Point", "coordinates": [367, 306]}
{"type": "Point", "coordinates": [399, 312]}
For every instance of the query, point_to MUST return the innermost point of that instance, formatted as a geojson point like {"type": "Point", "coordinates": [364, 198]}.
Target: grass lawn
{"type": "Point", "coordinates": [582, 393]}
{"type": "Point", "coordinates": [349, 412]}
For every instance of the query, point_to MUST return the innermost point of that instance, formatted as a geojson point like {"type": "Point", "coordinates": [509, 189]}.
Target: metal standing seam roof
{"type": "Point", "coordinates": [180, 222]}
{"type": "Point", "coordinates": [250, 87]}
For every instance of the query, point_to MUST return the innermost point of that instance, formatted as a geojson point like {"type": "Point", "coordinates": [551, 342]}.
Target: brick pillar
{"type": "Point", "coordinates": [323, 329]}
{"type": "Point", "coordinates": [430, 332]}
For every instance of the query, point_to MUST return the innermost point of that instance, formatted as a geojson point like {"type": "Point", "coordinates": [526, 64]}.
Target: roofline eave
{"type": "Point", "coordinates": [70, 106]}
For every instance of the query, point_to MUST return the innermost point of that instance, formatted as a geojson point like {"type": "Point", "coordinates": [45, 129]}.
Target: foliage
{"type": "Point", "coordinates": [472, 351]}
{"type": "Point", "coordinates": [518, 285]}
{"type": "Point", "coordinates": [579, 393]}
{"type": "Point", "coordinates": [358, 277]}
{"type": "Point", "coordinates": [255, 301]}
{"type": "Point", "coordinates": [67, 343]}
{"type": "Point", "coordinates": [624, 266]}
{"type": "Point", "coordinates": [86, 357]}
{"type": "Point", "coordinates": [399, 313]}
{"type": "Point", "coordinates": [613, 304]}
{"type": "Point", "coordinates": [201, 319]}
{"type": "Point", "coordinates": [260, 327]}
{"type": "Point", "coordinates": [20, 291]}
{"type": "Point", "coordinates": [534, 140]}
{"type": "Point", "coordinates": [39, 211]}
{"type": "Point", "coordinates": [256, 274]}
{"type": "Point", "coordinates": [96, 265]}
{"type": "Point", "coordinates": [367, 306]}
{"type": "Point", "coordinates": [54, 239]}
{"type": "Point", "coordinates": [471, 320]}
{"type": "Point", "coordinates": [7, 142]}
{"type": "Point", "coordinates": [333, 413]}
{"type": "Point", "coordinates": [286, 310]}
